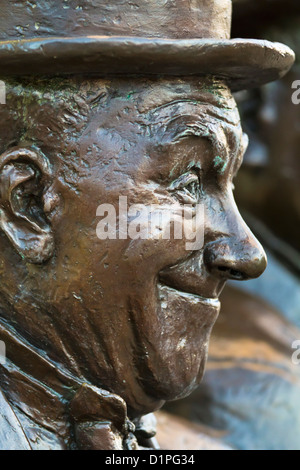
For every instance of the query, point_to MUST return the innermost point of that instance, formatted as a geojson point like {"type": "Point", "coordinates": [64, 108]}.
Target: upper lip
{"type": "Point", "coordinates": [213, 300]}
{"type": "Point", "coordinates": [192, 277]}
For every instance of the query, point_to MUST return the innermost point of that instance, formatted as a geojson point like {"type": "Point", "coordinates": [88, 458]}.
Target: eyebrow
{"type": "Point", "coordinates": [200, 129]}
{"type": "Point", "coordinates": [205, 105]}
{"type": "Point", "coordinates": [222, 155]}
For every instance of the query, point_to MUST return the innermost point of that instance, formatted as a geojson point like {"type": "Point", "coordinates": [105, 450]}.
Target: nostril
{"type": "Point", "coordinates": [237, 274]}
{"type": "Point", "coordinates": [232, 273]}
{"type": "Point", "coordinates": [227, 259]}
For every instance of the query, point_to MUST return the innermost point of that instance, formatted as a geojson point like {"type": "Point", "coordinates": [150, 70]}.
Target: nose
{"type": "Point", "coordinates": [236, 259]}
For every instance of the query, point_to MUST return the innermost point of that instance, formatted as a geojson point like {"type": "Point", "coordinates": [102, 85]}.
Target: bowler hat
{"type": "Point", "coordinates": [138, 37]}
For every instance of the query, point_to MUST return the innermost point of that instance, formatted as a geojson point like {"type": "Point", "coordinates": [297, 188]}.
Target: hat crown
{"type": "Point", "coordinates": [174, 19]}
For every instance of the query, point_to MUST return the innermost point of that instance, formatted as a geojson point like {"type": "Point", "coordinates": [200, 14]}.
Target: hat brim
{"type": "Point", "coordinates": [243, 63]}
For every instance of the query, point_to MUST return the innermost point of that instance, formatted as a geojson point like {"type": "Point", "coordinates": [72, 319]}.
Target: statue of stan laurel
{"type": "Point", "coordinates": [119, 143]}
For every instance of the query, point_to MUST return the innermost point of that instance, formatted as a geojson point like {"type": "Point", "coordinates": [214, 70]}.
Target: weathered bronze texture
{"type": "Point", "coordinates": [180, 37]}
{"type": "Point", "coordinates": [100, 333]}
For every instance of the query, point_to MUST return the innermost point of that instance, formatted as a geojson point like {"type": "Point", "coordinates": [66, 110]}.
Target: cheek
{"type": "Point", "coordinates": [137, 241]}
{"type": "Point", "coordinates": [164, 236]}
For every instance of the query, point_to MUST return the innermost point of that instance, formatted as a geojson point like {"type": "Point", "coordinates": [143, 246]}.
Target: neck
{"type": "Point", "coordinates": [54, 405]}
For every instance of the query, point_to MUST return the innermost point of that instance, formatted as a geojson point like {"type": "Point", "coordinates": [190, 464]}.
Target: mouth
{"type": "Point", "coordinates": [191, 296]}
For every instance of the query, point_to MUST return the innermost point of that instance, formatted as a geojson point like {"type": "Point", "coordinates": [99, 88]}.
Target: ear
{"type": "Point", "coordinates": [25, 176]}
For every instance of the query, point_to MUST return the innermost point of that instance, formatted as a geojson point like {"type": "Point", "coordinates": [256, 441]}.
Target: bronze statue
{"type": "Point", "coordinates": [107, 102]}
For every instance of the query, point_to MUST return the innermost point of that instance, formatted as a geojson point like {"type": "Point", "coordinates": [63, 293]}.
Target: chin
{"type": "Point", "coordinates": [177, 344]}
{"type": "Point", "coordinates": [177, 379]}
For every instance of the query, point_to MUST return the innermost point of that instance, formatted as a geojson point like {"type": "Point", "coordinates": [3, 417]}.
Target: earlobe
{"type": "Point", "coordinates": [25, 175]}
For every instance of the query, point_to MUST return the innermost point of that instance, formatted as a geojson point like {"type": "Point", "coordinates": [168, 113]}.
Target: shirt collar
{"type": "Point", "coordinates": [55, 399]}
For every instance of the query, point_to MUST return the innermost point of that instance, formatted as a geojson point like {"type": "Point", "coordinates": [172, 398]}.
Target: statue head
{"type": "Point", "coordinates": [95, 273]}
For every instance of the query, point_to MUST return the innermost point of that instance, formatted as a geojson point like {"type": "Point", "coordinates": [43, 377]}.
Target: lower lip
{"type": "Point", "coordinates": [209, 302]}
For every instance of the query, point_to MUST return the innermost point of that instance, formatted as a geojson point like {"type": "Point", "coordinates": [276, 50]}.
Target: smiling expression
{"type": "Point", "coordinates": [135, 316]}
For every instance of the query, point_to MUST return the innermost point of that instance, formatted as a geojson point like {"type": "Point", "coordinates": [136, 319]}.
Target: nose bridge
{"type": "Point", "coordinates": [232, 251]}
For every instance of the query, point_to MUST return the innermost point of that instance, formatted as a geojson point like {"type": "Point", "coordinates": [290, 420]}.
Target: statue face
{"type": "Point", "coordinates": [135, 315]}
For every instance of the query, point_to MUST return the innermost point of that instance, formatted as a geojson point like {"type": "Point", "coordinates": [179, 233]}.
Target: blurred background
{"type": "Point", "coordinates": [250, 395]}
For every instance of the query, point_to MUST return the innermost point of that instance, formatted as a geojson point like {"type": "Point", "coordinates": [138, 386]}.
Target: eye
{"type": "Point", "coordinates": [187, 188]}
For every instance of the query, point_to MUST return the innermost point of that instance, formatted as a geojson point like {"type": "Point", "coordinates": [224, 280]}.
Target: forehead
{"type": "Point", "coordinates": [92, 111]}
{"type": "Point", "coordinates": [155, 105]}
{"type": "Point", "coordinates": [161, 93]}
{"type": "Point", "coordinates": [162, 108]}
{"type": "Point", "coordinates": [147, 96]}
{"type": "Point", "coordinates": [86, 104]}
{"type": "Point", "coordinates": [160, 118]}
